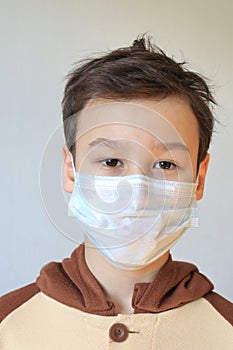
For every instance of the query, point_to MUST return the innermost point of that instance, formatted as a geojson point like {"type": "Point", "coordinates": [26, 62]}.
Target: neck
{"type": "Point", "coordinates": [118, 284]}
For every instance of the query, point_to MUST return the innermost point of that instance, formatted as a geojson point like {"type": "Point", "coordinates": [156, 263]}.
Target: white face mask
{"type": "Point", "coordinates": [133, 220]}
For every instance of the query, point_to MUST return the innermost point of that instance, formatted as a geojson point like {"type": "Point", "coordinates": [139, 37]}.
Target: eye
{"type": "Point", "coordinates": [112, 162]}
{"type": "Point", "coordinates": [165, 165]}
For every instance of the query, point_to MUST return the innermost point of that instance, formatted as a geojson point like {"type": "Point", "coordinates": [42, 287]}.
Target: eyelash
{"type": "Point", "coordinates": [166, 163]}
{"type": "Point", "coordinates": [110, 159]}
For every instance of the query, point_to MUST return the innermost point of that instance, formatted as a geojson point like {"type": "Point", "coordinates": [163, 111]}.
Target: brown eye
{"type": "Point", "coordinates": [165, 165]}
{"type": "Point", "coordinates": [112, 162]}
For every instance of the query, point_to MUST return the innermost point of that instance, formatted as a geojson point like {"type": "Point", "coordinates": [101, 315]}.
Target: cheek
{"type": "Point", "coordinates": [194, 158]}
{"type": "Point", "coordinates": [81, 157]}
{"type": "Point", "coordinates": [192, 144]}
{"type": "Point", "coordinates": [84, 163]}
{"type": "Point", "coordinates": [192, 168]}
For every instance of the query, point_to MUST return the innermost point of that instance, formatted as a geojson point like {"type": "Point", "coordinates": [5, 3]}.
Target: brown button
{"type": "Point", "coordinates": [118, 332]}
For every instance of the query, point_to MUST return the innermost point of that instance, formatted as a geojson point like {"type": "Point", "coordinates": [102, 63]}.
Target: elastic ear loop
{"type": "Point", "coordinates": [197, 180]}
{"type": "Point", "coordinates": [73, 167]}
{"type": "Point", "coordinates": [69, 211]}
{"type": "Point", "coordinates": [194, 210]}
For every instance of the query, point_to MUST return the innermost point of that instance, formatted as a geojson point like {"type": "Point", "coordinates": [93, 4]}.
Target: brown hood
{"type": "Point", "coordinates": [71, 282]}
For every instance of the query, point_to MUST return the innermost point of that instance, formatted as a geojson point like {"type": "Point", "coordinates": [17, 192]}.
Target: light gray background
{"type": "Point", "coordinates": [39, 42]}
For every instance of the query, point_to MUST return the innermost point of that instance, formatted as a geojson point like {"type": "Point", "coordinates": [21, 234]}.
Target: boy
{"type": "Point", "coordinates": [137, 127]}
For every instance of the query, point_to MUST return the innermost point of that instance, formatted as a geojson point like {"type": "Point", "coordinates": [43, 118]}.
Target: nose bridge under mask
{"type": "Point", "coordinates": [112, 194]}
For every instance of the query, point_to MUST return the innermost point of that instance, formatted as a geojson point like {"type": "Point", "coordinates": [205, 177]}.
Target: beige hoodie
{"type": "Point", "coordinates": [66, 308]}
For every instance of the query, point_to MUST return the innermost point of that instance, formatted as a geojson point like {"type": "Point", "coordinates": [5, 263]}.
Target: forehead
{"type": "Point", "coordinates": [168, 121]}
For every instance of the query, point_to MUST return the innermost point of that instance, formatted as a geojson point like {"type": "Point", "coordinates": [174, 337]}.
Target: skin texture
{"type": "Point", "coordinates": [164, 145]}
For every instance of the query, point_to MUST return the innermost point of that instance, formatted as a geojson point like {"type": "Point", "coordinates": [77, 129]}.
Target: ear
{"type": "Point", "coordinates": [68, 173]}
{"type": "Point", "coordinates": [201, 177]}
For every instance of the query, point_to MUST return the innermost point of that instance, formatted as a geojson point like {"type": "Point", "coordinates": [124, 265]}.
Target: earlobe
{"type": "Point", "coordinates": [68, 172]}
{"type": "Point", "coordinates": [201, 177]}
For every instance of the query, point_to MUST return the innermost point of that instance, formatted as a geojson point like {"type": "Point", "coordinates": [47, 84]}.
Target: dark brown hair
{"type": "Point", "coordinates": [138, 71]}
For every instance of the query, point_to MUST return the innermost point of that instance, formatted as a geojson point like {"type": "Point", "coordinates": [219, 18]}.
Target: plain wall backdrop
{"type": "Point", "coordinates": [40, 40]}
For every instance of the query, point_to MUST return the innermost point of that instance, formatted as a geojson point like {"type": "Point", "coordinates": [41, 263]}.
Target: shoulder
{"type": "Point", "coordinates": [222, 305]}
{"type": "Point", "coordinates": [11, 301]}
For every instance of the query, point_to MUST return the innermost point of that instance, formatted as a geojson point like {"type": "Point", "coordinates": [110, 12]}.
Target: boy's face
{"type": "Point", "coordinates": [159, 139]}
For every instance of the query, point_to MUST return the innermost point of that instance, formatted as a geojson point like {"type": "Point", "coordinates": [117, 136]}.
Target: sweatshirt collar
{"type": "Point", "coordinates": [72, 283]}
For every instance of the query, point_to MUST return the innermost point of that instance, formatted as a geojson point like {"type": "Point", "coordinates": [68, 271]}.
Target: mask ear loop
{"type": "Point", "coordinates": [73, 167]}
{"type": "Point", "coordinates": [194, 208]}
{"type": "Point", "coordinates": [197, 180]}
{"type": "Point", "coordinates": [69, 211]}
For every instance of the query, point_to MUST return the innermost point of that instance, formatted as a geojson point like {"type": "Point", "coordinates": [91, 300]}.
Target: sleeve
{"type": "Point", "coordinates": [11, 301]}
{"type": "Point", "coordinates": [222, 305]}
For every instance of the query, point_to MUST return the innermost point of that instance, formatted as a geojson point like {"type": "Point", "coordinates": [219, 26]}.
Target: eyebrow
{"type": "Point", "coordinates": [100, 141]}
{"type": "Point", "coordinates": [171, 146]}
{"type": "Point", "coordinates": [114, 143]}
